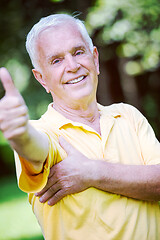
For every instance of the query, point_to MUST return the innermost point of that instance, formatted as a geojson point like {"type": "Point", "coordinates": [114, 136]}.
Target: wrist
{"type": "Point", "coordinates": [94, 173]}
{"type": "Point", "coordinates": [101, 174]}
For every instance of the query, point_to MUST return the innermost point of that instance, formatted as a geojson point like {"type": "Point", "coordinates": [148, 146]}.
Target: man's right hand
{"type": "Point", "coordinates": [13, 110]}
{"type": "Point", "coordinates": [28, 142]}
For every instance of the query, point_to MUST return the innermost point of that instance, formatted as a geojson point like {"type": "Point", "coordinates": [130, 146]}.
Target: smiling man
{"type": "Point", "coordinates": [68, 70]}
{"type": "Point", "coordinates": [91, 172]}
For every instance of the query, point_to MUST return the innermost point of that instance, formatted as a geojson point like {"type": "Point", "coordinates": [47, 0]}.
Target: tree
{"type": "Point", "coordinates": [127, 32]}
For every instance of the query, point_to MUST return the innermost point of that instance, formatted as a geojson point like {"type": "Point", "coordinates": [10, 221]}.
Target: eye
{"type": "Point", "coordinates": [56, 61]}
{"type": "Point", "coordinates": [79, 52]}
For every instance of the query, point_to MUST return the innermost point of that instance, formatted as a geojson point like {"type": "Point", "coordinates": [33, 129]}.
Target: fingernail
{"type": "Point", "coordinates": [41, 199]}
{"type": "Point", "coordinates": [49, 203]}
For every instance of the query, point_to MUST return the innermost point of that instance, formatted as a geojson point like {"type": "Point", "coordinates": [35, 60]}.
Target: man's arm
{"type": "Point", "coordinates": [77, 173]}
{"type": "Point", "coordinates": [23, 138]}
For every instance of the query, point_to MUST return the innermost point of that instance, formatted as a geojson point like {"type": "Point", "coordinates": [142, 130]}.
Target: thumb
{"type": "Point", "coordinates": [66, 146]}
{"type": "Point", "coordinates": [7, 82]}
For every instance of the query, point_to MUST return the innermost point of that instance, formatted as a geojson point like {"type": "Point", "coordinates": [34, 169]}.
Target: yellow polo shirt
{"type": "Point", "coordinates": [127, 138]}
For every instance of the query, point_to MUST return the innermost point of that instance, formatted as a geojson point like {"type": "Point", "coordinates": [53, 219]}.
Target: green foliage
{"type": "Point", "coordinates": [124, 29]}
{"type": "Point", "coordinates": [16, 19]}
{"type": "Point", "coordinates": [57, 0]}
{"type": "Point", "coordinates": [128, 33]}
{"type": "Point", "coordinates": [134, 25]}
{"type": "Point", "coordinates": [17, 220]}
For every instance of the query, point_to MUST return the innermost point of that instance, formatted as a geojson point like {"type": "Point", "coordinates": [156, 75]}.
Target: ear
{"type": "Point", "coordinates": [96, 59]}
{"type": "Point", "coordinates": [39, 78]}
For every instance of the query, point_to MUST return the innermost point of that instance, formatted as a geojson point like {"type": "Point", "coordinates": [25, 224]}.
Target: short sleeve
{"type": "Point", "coordinates": [30, 179]}
{"type": "Point", "coordinates": [150, 146]}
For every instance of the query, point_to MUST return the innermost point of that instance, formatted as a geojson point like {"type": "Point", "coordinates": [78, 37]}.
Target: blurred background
{"type": "Point", "coordinates": [127, 34]}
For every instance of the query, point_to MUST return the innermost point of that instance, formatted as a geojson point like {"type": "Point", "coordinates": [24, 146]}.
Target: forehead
{"type": "Point", "coordinates": [60, 38]}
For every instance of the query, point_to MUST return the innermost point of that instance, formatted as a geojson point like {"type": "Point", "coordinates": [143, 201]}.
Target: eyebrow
{"type": "Point", "coordinates": [59, 54]}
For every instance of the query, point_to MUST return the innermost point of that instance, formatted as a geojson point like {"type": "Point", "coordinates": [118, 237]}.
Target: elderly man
{"type": "Point", "coordinates": [91, 172]}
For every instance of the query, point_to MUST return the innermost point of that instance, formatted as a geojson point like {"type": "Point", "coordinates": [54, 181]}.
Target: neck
{"type": "Point", "coordinates": [88, 115]}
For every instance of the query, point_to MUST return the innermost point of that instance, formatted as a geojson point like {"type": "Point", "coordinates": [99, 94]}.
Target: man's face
{"type": "Point", "coordinates": [68, 68]}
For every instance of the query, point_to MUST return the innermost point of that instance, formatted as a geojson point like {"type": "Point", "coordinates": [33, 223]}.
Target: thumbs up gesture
{"type": "Point", "coordinates": [13, 110]}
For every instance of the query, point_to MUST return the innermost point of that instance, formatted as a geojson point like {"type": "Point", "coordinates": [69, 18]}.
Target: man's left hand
{"type": "Point", "coordinates": [72, 175]}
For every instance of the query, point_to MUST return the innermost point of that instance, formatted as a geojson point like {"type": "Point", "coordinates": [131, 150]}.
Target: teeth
{"type": "Point", "coordinates": [76, 80]}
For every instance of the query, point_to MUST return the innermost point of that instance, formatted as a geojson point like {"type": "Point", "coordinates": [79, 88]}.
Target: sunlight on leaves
{"type": "Point", "coordinates": [20, 74]}
{"type": "Point", "coordinates": [133, 68]}
{"type": "Point", "coordinates": [128, 50]}
{"type": "Point", "coordinates": [134, 25]}
{"type": "Point", "coordinates": [119, 29]}
{"type": "Point", "coordinates": [57, 0]}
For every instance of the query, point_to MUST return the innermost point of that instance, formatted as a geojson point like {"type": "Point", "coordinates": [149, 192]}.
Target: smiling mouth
{"type": "Point", "coordinates": [76, 80]}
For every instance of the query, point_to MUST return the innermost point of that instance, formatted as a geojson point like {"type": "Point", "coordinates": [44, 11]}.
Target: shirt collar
{"type": "Point", "coordinates": [58, 120]}
{"type": "Point", "coordinates": [108, 111]}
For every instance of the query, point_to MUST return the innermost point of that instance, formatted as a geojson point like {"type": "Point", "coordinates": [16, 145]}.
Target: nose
{"type": "Point", "coordinates": [71, 64]}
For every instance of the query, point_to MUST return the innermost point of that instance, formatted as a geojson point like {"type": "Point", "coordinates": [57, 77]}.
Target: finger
{"type": "Point", "coordinates": [14, 133]}
{"type": "Point", "coordinates": [13, 124]}
{"type": "Point", "coordinates": [49, 193]}
{"type": "Point", "coordinates": [38, 194]}
{"type": "Point", "coordinates": [45, 189]}
{"type": "Point", "coordinates": [66, 146]}
{"type": "Point", "coordinates": [7, 82]}
{"type": "Point", "coordinates": [51, 181]}
{"type": "Point", "coordinates": [56, 198]}
{"type": "Point", "coordinates": [12, 115]}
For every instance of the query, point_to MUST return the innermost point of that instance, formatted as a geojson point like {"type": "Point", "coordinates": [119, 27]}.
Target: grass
{"type": "Point", "coordinates": [17, 221]}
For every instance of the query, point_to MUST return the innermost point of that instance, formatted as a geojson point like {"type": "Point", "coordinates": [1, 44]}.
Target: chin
{"type": "Point", "coordinates": [83, 99]}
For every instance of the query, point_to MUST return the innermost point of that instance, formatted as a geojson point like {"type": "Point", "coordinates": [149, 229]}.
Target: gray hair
{"type": "Point", "coordinates": [52, 20]}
